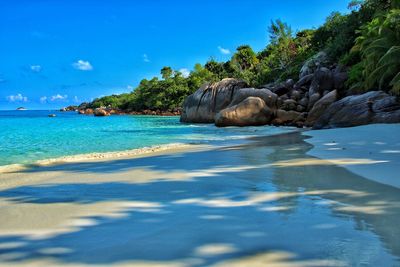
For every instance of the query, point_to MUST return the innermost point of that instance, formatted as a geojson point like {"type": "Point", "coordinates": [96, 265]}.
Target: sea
{"type": "Point", "coordinates": [28, 136]}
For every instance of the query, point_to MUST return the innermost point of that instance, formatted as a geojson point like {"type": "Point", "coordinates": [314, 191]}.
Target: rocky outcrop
{"type": "Point", "coordinates": [89, 111]}
{"type": "Point", "coordinates": [230, 102]}
{"type": "Point", "coordinates": [251, 111]}
{"type": "Point", "coordinates": [371, 107]}
{"type": "Point", "coordinates": [320, 106]}
{"type": "Point", "coordinates": [312, 101]}
{"type": "Point", "coordinates": [291, 117]}
{"type": "Point", "coordinates": [280, 88]}
{"type": "Point", "coordinates": [205, 103]}
{"type": "Point", "coordinates": [265, 94]}
{"type": "Point", "coordinates": [100, 112]}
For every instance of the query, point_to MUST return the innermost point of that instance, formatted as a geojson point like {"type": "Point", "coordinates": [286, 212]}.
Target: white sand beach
{"type": "Point", "coordinates": [314, 198]}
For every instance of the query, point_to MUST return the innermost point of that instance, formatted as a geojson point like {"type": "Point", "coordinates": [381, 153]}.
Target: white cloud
{"type": "Point", "coordinates": [224, 51]}
{"type": "Point", "coordinates": [17, 98]}
{"type": "Point", "coordinates": [36, 68]}
{"type": "Point", "coordinates": [82, 65]}
{"type": "Point", "coordinates": [77, 100]}
{"type": "Point", "coordinates": [146, 58]}
{"type": "Point", "coordinates": [58, 97]}
{"type": "Point", "coordinates": [185, 72]}
{"type": "Point", "coordinates": [130, 88]}
{"type": "Point", "coordinates": [43, 99]}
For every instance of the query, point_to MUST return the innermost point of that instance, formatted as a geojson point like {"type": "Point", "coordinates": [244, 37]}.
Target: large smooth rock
{"type": "Point", "coordinates": [250, 112]}
{"type": "Point", "coordinates": [100, 112]}
{"type": "Point", "coordinates": [269, 98]}
{"type": "Point", "coordinates": [320, 106]}
{"type": "Point", "coordinates": [283, 117]}
{"type": "Point", "coordinates": [371, 107]}
{"type": "Point", "coordinates": [312, 100]}
{"type": "Point", "coordinates": [206, 102]}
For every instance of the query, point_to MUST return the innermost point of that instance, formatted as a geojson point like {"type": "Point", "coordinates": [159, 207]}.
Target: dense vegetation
{"type": "Point", "coordinates": [367, 41]}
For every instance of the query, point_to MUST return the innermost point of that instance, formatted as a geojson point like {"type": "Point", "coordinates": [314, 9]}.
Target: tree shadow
{"type": "Point", "coordinates": [240, 206]}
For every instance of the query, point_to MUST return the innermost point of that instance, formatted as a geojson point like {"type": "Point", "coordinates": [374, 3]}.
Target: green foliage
{"type": "Point", "coordinates": [199, 76]}
{"type": "Point", "coordinates": [379, 45]}
{"type": "Point", "coordinates": [244, 59]}
{"type": "Point", "coordinates": [355, 80]}
{"type": "Point", "coordinates": [283, 57]}
{"type": "Point", "coordinates": [155, 94]}
{"type": "Point", "coordinates": [219, 69]}
{"type": "Point", "coordinates": [166, 72]}
{"type": "Point", "coordinates": [337, 35]}
{"type": "Point", "coordinates": [113, 101]}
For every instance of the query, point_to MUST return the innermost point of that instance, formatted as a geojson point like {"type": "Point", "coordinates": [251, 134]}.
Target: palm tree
{"type": "Point", "coordinates": [379, 45]}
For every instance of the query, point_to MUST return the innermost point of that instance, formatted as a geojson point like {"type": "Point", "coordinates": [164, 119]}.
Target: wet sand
{"type": "Point", "coordinates": [297, 199]}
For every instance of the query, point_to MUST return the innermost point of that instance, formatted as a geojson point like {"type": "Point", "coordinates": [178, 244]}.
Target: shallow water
{"type": "Point", "coordinates": [230, 206]}
{"type": "Point", "coordinates": [29, 136]}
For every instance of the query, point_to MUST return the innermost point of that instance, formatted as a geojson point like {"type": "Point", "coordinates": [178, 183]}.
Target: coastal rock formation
{"type": "Point", "coordinates": [100, 112]}
{"type": "Point", "coordinates": [371, 107]}
{"type": "Point", "coordinates": [251, 111]}
{"type": "Point", "coordinates": [320, 106]}
{"type": "Point", "coordinates": [229, 102]}
{"type": "Point", "coordinates": [313, 101]}
{"type": "Point", "coordinates": [205, 103]}
{"type": "Point", "coordinates": [265, 94]}
{"type": "Point", "coordinates": [283, 117]}
{"type": "Point", "coordinates": [89, 111]}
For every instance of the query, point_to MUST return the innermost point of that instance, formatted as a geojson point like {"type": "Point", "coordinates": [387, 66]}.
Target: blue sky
{"type": "Point", "coordinates": [57, 53]}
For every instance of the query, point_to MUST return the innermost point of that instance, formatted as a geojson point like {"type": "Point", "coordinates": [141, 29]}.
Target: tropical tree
{"type": "Point", "coordinates": [199, 76]}
{"type": "Point", "coordinates": [379, 45]}
{"type": "Point", "coordinates": [244, 58]}
{"type": "Point", "coordinates": [217, 68]}
{"type": "Point", "coordinates": [166, 72]}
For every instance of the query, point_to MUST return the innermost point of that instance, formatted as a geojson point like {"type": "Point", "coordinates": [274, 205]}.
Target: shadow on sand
{"type": "Point", "coordinates": [231, 204]}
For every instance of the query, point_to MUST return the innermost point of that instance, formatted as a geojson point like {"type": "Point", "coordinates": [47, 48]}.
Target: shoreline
{"type": "Point", "coordinates": [96, 156]}
{"type": "Point", "coordinates": [339, 146]}
{"type": "Point", "coordinates": [110, 155]}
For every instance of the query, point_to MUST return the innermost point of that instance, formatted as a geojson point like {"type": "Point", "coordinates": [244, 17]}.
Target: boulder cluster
{"type": "Point", "coordinates": [315, 100]}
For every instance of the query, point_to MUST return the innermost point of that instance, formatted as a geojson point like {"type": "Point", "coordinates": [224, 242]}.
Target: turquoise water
{"type": "Point", "coordinates": [29, 136]}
